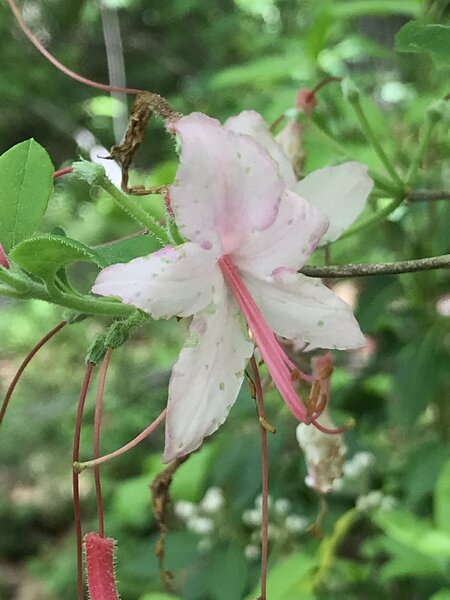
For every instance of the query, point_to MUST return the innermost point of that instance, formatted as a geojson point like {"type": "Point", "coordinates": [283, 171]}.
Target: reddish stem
{"type": "Point", "coordinates": [55, 62]}
{"type": "Point", "coordinates": [325, 82]}
{"type": "Point", "coordinates": [97, 424]}
{"type": "Point", "coordinates": [265, 479]}
{"type": "Point", "coordinates": [25, 362]}
{"type": "Point", "coordinates": [75, 482]}
{"type": "Point", "coordinates": [62, 172]}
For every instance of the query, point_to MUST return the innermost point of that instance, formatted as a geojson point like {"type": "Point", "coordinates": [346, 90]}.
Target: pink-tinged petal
{"type": "Point", "coordinates": [4, 262]}
{"type": "Point", "coordinates": [226, 184]}
{"type": "Point", "coordinates": [340, 192]}
{"type": "Point", "coordinates": [251, 123]}
{"type": "Point", "coordinates": [288, 242]}
{"type": "Point", "coordinates": [305, 311]}
{"type": "Point", "coordinates": [177, 280]}
{"type": "Point", "coordinates": [207, 377]}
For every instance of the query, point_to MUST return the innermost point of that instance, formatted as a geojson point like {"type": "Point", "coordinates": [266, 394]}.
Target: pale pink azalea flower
{"type": "Point", "coordinates": [249, 233]}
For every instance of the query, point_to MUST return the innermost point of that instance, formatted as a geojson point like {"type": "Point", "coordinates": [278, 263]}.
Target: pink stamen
{"type": "Point", "coordinates": [278, 364]}
{"type": "Point", "coordinates": [61, 172]}
{"type": "Point", "coordinates": [328, 430]}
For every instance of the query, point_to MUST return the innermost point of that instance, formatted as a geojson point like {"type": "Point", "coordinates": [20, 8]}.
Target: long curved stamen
{"type": "Point", "coordinates": [275, 358]}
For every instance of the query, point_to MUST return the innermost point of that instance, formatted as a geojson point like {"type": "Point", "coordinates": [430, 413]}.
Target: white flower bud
{"type": "Point", "coordinates": [252, 517]}
{"type": "Point", "coordinates": [251, 552]}
{"type": "Point", "coordinates": [369, 501]}
{"type": "Point", "coordinates": [204, 545]}
{"type": "Point", "coordinates": [258, 501]}
{"type": "Point", "coordinates": [200, 525]}
{"type": "Point", "coordinates": [184, 510]}
{"type": "Point", "coordinates": [296, 524]}
{"type": "Point", "coordinates": [213, 500]}
{"type": "Point", "coordinates": [282, 506]}
{"type": "Point", "coordinates": [290, 140]}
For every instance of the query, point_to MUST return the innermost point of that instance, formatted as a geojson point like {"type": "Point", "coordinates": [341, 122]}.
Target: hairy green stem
{"type": "Point", "coordinates": [82, 304]}
{"type": "Point", "coordinates": [17, 282]}
{"type": "Point", "coordinates": [134, 209]}
{"type": "Point", "coordinates": [382, 182]}
{"type": "Point", "coordinates": [355, 101]}
{"type": "Point", "coordinates": [421, 148]}
{"type": "Point", "coordinates": [329, 546]}
{"type": "Point", "coordinates": [364, 270]}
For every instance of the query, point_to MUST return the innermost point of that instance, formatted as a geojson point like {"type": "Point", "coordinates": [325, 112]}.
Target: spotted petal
{"type": "Point", "coordinates": [226, 185]}
{"type": "Point", "coordinates": [305, 311]}
{"type": "Point", "coordinates": [251, 123]}
{"type": "Point", "coordinates": [174, 281]}
{"type": "Point", "coordinates": [340, 193]}
{"type": "Point", "coordinates": [207, 377]}
{"type": "Point", "coordinates": [288, 242]}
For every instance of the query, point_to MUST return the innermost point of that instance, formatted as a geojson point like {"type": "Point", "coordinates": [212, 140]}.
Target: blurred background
{"type": "Point", "coordinates": [392, 539]}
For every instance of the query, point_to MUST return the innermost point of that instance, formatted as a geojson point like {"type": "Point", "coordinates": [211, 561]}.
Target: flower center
{"type": "Point", "coordinates": [279, 365]}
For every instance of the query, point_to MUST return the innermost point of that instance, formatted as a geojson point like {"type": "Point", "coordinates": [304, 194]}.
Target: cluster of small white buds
{"type": "Point", "coordinates": [284, 526]}
{"type": "Point", "coordinates": [375, 500]}
{"type": "Point", "coordinates": [356, 474]}
{"type": "Point", "coordinates": [201, 518]}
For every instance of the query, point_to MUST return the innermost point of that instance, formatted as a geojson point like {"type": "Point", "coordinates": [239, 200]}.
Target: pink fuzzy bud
{"type": "Point", "coordinates": [306, 101]}
{"type": "Point", "coordinates": [100, 567]}
{"type": "Point", "coordinates": [4, 262]}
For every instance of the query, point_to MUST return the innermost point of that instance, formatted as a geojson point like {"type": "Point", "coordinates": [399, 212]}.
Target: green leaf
{"type": "Point", "coordinates": [442, 499]}
{"type": "Point", "coordinates": [413, 383]}
{"type": "Point", "coordinates": [44, 256]}
{"type": "Point", "coordinates": [418, 37]}
{"type": "Point", "coordinates": [360, 8]}
{"type": "Point", "coordinates": [441, 595]}
{"type": "Point", "coordinates": [227, 565]}
{"type": "Point", "coordinates": [158, 596]}
{"type": "Point", "coordinates": [26, 183]}
{"type": "Point", "coordinates": [126, 250]}
{"type": "Point", "coordinates": [290, 578]}
{"type": "Point", "coordinates": [416, 534]}
{"type": "Point", "coordinates": [131, 503]}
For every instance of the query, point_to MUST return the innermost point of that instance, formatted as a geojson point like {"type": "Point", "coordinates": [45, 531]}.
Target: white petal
{"type": "Point", "coordinates": [173, 281]}
{"type": "Point", "coordinates": [251, 123]}
{"type": "Point", "coordinates": [207, 377]}
{"type": "Point", "coordinates": [288, 242]}
{"type": "Point", "coordinates": [302, 309]}
{"type": "Point", "coordinates": [226, 185]}
{"type": "Point", "coordinates": [340, 192]}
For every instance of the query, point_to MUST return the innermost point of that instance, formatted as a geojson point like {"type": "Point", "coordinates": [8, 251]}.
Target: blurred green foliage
{"type": "Point", "coordinates": [220, 57]}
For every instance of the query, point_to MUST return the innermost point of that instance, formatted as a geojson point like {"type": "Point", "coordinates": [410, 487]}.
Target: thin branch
{"type": "Point", "coordinates": [428, 195]}
{"type": "Point", "coordinates": [364, 270]}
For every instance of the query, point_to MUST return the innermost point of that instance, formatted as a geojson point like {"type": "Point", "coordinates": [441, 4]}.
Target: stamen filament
{"type": "Point", "coordinates": [97, 424]}
{"type": "Point", "coordinates": [275, 358]}
{"type": "Point", "coordinates": [75, 479]}
{"type": "Point", "coordinates": [24, 364]}
{"type": "Point", "coordinates": [80, 466]}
